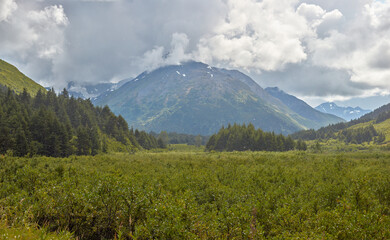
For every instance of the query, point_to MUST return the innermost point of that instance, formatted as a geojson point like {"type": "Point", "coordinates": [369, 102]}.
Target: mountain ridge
{"type": "Point", "coordinates": [347, 113]}
{"type": "Point", "coordinates": [302, 108]}
{"type": "Point", "coordinates": [196, 98]}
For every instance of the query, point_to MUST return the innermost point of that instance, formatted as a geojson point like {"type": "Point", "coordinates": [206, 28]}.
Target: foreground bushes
{"type": "Point", "coordinates": [201, 196]}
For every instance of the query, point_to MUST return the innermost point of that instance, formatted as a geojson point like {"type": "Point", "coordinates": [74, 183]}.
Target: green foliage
{"type": "Point", "coordinates": [195, 195]}
{"type": "Point", "coordinates": [359, 135]}
{"type": "Point", "coordinates": [383, 117]}
{"type": "Point", "coordinates": [355, 134]}
{"type": "Point", "coordinates": [60, 126]}
{"type": "Point", "coordinates": [148, 141]}
{"type": "Point", "coordinates": [31, 233]}
{"type": "Point", "coordinates": [244, 138]}
{"type": "Point", "coordinates": [182, 138]}
{"type": "Point", "coordinates": [12, 78]}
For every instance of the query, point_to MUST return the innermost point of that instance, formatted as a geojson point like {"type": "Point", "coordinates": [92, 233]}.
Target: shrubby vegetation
{"type": "Point", "coordinates": [243, 138]}
{"type": "Point", "coordinates": [60, 126]}
{"type": "Point", "coordinates": [249, 195]}
{"type": "Point", "coordinates": [31, 232]}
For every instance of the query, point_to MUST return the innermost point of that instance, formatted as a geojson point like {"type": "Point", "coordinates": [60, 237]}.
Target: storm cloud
{"type": "Point", "coordinates": [325, 49]}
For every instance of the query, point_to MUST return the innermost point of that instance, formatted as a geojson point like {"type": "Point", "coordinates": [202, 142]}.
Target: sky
{"type": "Point", "coordinates": [318, 50]}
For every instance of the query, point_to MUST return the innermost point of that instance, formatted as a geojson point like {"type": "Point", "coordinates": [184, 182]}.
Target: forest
{"type": "Point", "coordinates": [59, 126]}
{"type": "Point", "coordinates": [247, 138]}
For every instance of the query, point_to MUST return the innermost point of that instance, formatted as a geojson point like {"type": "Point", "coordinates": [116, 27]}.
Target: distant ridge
{"type": "Point", "coordinates": [347, 113]}
{"type": "Point", "coordinates": [319, 118]}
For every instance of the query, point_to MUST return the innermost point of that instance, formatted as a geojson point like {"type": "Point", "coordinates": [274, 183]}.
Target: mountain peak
{"type": "Point", "coordinates": [347, 113]}
{"type": "Point", "coordinates": [197, 98]}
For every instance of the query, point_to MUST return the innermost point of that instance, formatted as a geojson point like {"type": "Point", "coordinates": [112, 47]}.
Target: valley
{"type": "Point", "coordinates": [261, 164]}
{"type": "Point", "coordinates": [194, 120]}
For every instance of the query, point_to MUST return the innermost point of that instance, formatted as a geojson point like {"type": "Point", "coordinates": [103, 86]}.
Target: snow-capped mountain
{"type": "Point", "coordinates": [347, 113]}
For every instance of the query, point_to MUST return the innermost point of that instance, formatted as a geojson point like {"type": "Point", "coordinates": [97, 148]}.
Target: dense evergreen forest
{"type": "Point", "coordinates": [243, 138]}
{"type": "Point", "coordinates": [60, 126]}
{"type": "Point", "coordinates": [181, 138]}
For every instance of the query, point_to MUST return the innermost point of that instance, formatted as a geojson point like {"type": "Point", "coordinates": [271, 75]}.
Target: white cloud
{"type": "Point", "coordinates": [179, 46]}
{"type": "Point", "coordinates": [378, 13]}
{"type": "Point", "coordinates": [7, 7]}
{"type": "Point", "coordinates": [264, 35]}
{"type": "Point", "coordinates": [157, 57]}
{"type": "Point", "coordinates": [35, 38]}
{"type": "Point", "coordinates": [47, 26]}
{"type": "Point", "coordinates": [310, 11]}
{"type": "Point", "coordinates": [337, 48]}
{"type": "Point", "coordinates": [362, 49]}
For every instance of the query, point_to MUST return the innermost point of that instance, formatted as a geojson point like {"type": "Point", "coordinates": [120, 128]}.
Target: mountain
{"type": "Point", "coordinates": [195, 98]}
{"type": "Point", "coordinates": [319, 119]}
{"type": "Point", "coordinates": [347, 113]}
{"type": "Point", "coordinates": [12, 78]}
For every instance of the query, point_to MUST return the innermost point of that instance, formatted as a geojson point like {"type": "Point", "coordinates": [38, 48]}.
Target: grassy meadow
{"type": "Point", "coordinates": [186, 193]}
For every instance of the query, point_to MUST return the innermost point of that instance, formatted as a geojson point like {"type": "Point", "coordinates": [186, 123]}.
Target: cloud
{"type": "Point", "coordinates": [380, 56]}
{"type": "Point", "coordinates": [310, 11]}
{"type": "Point", "coordinates": [7, 7]}
{"type": "Point", "coordinates": [34, 38]}
{"type": "Point", "coordinates": [323, 48]}
{"type": "Point", "coordinates": [263, 35]}
{"type": "Point", "coordinates": [108, 41]}
{"type": "Point", "coordinates": [362, 49]}
{"type": "Point", "coordinates": [314, 81]}
{"type": "Point", "coordinates": [159, 57]}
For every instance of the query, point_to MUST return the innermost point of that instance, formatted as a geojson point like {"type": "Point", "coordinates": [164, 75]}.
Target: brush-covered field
{"type": "Point", "coordinates": [181, 194]}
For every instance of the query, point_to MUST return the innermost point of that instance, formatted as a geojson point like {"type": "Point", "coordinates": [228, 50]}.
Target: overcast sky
{"type": "Point", "coordinates": [315, 49]}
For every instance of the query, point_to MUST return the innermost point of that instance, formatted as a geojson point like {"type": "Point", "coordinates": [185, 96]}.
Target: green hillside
{"type": "Point", "coordinates": [373, 127]}
{"type": "Point", "coordinates": [12, 78]}
{"type": "Point", "coordinates": [382, 127]}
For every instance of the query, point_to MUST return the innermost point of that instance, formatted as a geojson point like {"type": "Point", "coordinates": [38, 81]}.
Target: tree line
{"type": "Point", "coordinates": [361, 135]}
{"type": "Point", "coordinates": [181, 138]}
{"type": "Point", "coordinates": [60, 125]}
{"type": "Point", "coordinates": [242, 138]}
{"type": "Point", "coordinates": [342, 132]}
